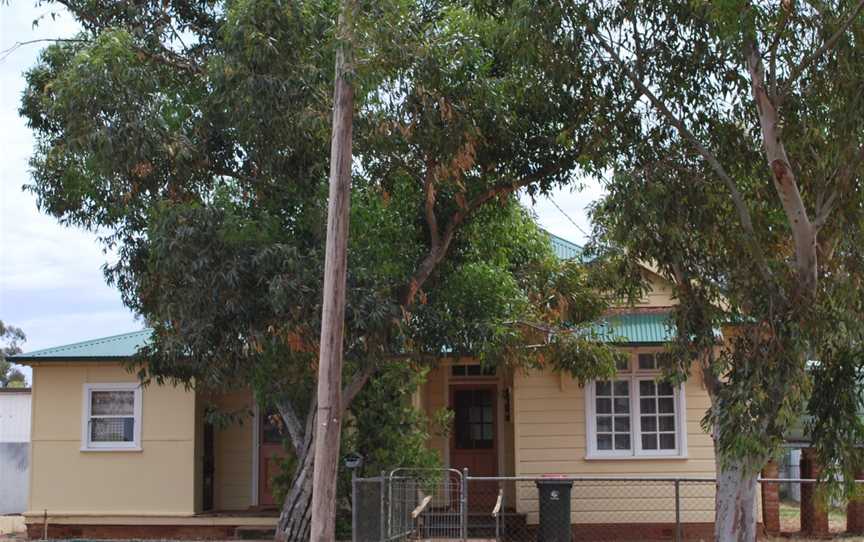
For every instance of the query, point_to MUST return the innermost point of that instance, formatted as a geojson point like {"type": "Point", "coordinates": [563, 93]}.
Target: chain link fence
{"type": "Point", "coordinates": [449, 505]}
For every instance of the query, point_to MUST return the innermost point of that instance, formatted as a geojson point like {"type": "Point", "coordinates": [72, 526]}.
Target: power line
{"type": "Point", "coordinates": [578, 227]}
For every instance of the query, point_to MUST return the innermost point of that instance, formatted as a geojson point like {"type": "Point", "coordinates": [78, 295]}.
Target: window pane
{"type": "Point", "coordinates": [112, 429]}
{"type": "Point", "coordinates": [646, 387]}
{"type": "Point", "coordinates": [622, 406]}
{"type": "Point", "coordinates": [487, 414]}
{"type": "Point", "coordinates": [647, 362]}
{"type": "Point", "coordinates": [622, 388]}
{"type": "Point", "coordinates": [112, 403]}
{"type": "Point", "coordinates": [487, 431]}
{"type": "Point", "coordinates": [604, 442]}
{"type": "Point", "coordinates": [649, 442]}
{"type": "Point", "coordinates": [604, 406]}
{"type": "Point", "coordinates": [665, 388]}
{"type": "Point", "coordinates": [666, 405]}
{"type": "Point", "coordinates": [667, 423]}
{"type": "Point", "coordinates": [604, 388]}
{"type": "Point", "coordinates": [648, 406]}
{"type": "Point", "coordinates": [667, 441]}
{"type": "Point", "coordinates": [623, 364]}
{"type": "Point", "coordinates": [604, 424]}
{"type": "Point", "coordinates": [458, 370]}
{"type": "Point", "coordinates": [649, 423]}
{"type": "Point", "coordinates": [622, 442]}
{"type": "Point", "coordinates": [476, 432]}
{"type": "Point", "coordinates": [622, 424]}
{"type": "Point", "coordinates": [473, 370]}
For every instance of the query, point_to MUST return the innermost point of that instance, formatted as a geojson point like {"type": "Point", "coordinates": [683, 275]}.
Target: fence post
{"type": "Point", "coordinates": [464, 504]}
{"type": "Point", "coordinates": [382, 534]}
{"type": "Point", "coordinates": [678, 534]}
{"type": "Point", "coordinates": [354, 505]}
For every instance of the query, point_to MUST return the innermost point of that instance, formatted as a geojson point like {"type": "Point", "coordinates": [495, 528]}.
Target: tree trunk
{"type": "Point", "coordinates": [736, 503]}
{"type": "Point", "coordinates": [329, 421]}
{"type": "Point", "coordinates": [295, 519]}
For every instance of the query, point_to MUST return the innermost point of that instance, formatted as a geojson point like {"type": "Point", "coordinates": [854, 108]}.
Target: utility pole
{"type": "Point", "coordinates": [328, 419]}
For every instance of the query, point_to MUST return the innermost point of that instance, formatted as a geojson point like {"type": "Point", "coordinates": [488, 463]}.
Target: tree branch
{"type": "Point", "coordinates": [359, 380]}
{"type": "Point", "coordinates": [785, 183]}
{"type": "Point", "coordinates": [829, 44]}
{"type": "Point", "coordinates": [429, 201]}
{"type": "Point", "coordinates": [437, 253]}
{"type": "Point", "coordinates": [737, 198]}
{"type": "Point", "coordinates": [292, 423]}
{"type": "Point", "coordinates": [4, 54]}
{"type": "Point", "coordinates": [775, 43]}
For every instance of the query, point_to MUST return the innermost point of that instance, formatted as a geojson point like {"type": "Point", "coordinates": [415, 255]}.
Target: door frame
{"type": "Point", "coordinates": [478, 383]}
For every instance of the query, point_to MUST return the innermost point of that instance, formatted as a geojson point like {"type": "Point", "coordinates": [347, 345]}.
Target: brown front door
{"type": "Point", "coordinates": [270, 454]}
{"type": "Point", "coordinates": [474, 442]}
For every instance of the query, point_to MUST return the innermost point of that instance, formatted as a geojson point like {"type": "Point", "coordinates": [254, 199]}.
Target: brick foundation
{"type": "Point", "coordinates": [814, 508]}
{"type": "Point", "coordinates": [620, 532]}
{"type": "Point", "coordinates": [855, 510]}
{"type": "Point", "coordinates": [771, 500]}
{"type": "Point", "coordinates": [178, 532]}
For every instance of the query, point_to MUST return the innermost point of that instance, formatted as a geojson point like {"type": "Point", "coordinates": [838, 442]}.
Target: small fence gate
{"type": "Point", "coordinates": [415, 504]}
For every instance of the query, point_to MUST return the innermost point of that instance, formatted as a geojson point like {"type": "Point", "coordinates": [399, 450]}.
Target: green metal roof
{"type": "Point", "coordinates": [113, 347]}
{"type": "Point", "coordinates": [627, 328]}
{"type": "Point", "coordinates": [564, 249]}
{"type": "Point", "coordinates": [636, 328]}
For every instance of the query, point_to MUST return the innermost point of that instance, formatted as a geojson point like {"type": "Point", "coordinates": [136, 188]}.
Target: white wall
{"type": "Point", "coordinates": [14, 451]}
{"type": "Point", "coordinates": [14, 416]}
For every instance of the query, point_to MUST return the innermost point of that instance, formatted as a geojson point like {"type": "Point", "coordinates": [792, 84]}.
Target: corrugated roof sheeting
{"type": "Point", "coordinates": [115, 346]}
{"type": "Point", "coordinates": [564, 249]}
{"type": "Point", "coordinates": [638, 328]}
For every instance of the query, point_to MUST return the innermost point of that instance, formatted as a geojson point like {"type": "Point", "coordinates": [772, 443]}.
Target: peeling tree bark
{"type": "Point", "coordinates": [296, 516]}
{"type": "Point", "coordinates": [735, 503]}
{"type": "Point", "coordinates": [803, 231]}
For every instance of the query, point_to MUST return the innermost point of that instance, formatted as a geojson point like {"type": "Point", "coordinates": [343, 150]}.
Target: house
{"type": "Point", "coordinates": [14, 449]}
{"type": "Point", "coordinates": [111, 459]}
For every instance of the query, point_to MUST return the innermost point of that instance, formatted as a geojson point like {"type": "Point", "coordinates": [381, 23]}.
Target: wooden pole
{"type": "Point", "coordinates": [328, 420]}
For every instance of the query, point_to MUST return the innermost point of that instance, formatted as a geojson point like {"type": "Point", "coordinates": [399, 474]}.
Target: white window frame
{"type": "Point", "coordinates": [86, 444]}
{"type": "Point", "coordinates": [633, 375]}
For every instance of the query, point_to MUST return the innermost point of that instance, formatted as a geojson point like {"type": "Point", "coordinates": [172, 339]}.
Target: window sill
{"type": "Point", "coordinates": [124, 449]}
{"type": "Point", "coordinates": [600, 457]}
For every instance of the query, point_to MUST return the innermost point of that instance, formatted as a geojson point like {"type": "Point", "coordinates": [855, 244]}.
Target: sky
{"type": "Point", "coordinates": [51, 281]}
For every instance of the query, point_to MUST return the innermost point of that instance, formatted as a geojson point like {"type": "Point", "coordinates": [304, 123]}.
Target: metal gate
{"type": "Point", "coordinates": [410, 504]}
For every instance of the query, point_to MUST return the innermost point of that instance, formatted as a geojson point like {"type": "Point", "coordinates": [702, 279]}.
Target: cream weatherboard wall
{"type": "Point", "coordinates": [157, 480]}
{"type": "Point", "coordinates": [234, 452]}
{"type": "Point", "coordinates": [551, 438]}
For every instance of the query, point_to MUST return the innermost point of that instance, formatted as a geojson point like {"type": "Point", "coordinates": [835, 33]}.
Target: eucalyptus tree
{"type": "Point", "coordinates": [743, 182]}
{"type": "Point", "coordinates": [13, 337]}
{"type": "Point", "coordinates": [192, 137]}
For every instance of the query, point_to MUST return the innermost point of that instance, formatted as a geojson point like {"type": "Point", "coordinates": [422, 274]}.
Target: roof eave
{"type": "Point", "coordinates": [29, 360]}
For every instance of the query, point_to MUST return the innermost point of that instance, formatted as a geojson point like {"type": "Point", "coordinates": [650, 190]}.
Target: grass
{"type": "Point", "coordinates": [790, 520]}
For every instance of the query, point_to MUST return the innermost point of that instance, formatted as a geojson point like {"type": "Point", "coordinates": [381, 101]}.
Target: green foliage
{"type": "Point", "coordinates": [193, 138]}
{"type": "Point", "coordinates": [10, 377]}
{"type": "Point", "coordinates": [384, 425]}
{"type": "Point", "coordinates": [681, 67]}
